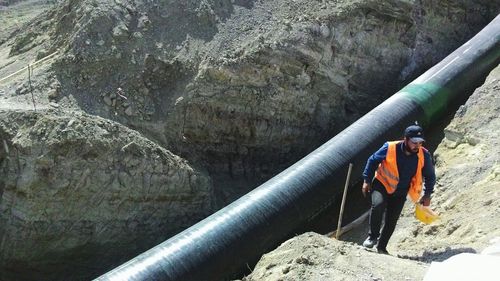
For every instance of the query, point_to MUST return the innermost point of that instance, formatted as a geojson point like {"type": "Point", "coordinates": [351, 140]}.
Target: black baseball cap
{"type": "Point", "coordinates": [415, 133]}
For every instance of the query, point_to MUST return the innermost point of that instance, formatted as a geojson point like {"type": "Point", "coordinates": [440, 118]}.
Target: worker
{"type": "Point", "coordinates": [396, 170]}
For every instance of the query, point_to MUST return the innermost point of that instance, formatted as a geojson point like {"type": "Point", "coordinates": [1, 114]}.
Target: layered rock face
{"type": "Point", "coordinates": [246, 87]}
{"type": "Point", "coordinates": [80, 194]}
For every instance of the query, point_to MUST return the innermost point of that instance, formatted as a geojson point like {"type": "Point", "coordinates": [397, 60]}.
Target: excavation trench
{"type": "Point", "coordinates": [221, 244]}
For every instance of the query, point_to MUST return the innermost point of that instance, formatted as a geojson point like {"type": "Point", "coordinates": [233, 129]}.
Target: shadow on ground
{"type": "Point", "coordinates": [429, 256]}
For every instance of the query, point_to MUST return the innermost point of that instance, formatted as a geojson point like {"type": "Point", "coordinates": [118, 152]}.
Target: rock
{"type": "Point", "coordinates": [107, 100]}
{"type": "Point", "coordinates": [53, 94]}
{"type": "Point", "coordinates": [324, 31]}
{"type": "Point", "coordinates": [143, 22]}
{"type": "Point", "coordinates": [69, 202]}
{"type": "Point", "coordinates": [129, 111]}
{"type": "Point", "coordinates": [41, 54]}
{"type": "Point", "coordinates": [120, 30]}
{"type": "Point", "coordinates": [137, 35]}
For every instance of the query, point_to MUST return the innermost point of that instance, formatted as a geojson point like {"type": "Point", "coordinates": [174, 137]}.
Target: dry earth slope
{"type": "Point", "coordinates": [77, 188]}
{"type": "Point", "coordinates": [244, 87]}
{"type": "Point", "coordinates": [467, 198]}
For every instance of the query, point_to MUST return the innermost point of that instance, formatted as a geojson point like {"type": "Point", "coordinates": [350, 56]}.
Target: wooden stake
{"type": "Point", "coordinates": [339, 225]}
{"type": "Point", "coordinates": [5, 147]}
{"type": "Point", "coordinates": [31, 87]}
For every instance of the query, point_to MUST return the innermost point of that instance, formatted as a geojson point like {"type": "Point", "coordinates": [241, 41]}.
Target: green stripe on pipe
{"type": "Point", "coordinates": [432, 98]}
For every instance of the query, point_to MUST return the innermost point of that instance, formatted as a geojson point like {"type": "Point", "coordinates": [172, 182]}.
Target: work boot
{"type": "Point", "coordinates": [369, 243]}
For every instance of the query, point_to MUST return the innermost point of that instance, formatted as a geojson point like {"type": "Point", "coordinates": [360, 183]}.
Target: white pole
{"type": "Point", "coordinates": [24, 68]}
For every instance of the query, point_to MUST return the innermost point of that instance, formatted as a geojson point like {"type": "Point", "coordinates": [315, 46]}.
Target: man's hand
{"type": "Point", "coordinates": [425, 200]}
{"type": "Point", "coordinates": [366, 188]}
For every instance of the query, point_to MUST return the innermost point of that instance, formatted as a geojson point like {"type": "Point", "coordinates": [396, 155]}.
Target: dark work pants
{"type": "Point", "coordinates": [392, 204]}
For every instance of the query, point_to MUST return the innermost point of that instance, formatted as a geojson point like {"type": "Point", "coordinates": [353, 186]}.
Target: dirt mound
{"type": "Point", "coordinates": [311, 256]}
{"type": "Point", "coordinates": [80, 195]}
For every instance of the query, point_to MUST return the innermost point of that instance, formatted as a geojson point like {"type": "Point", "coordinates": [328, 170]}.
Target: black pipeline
{"type": "Point", "coordinates": [258, 221]}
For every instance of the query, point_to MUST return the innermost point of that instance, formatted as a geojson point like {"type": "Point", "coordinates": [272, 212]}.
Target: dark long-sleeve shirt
{"type": "Point", "coordinates": [407, 166]}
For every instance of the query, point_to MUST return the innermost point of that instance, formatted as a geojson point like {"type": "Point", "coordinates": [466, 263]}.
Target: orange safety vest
{"type": "Point", "coordinates": [387, 172]}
